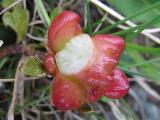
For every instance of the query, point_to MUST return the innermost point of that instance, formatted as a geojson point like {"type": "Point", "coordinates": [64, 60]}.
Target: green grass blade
{"type": "Point", "coordinates": [33, 103]}
{"type": "Point", "coordinates": [42, 11]}
{"type": "Point", "coordinates": [141, 28]}
{"type": "Point", "coordinates": [143, 63]}
{"type": "Point", "coordinates": [3, 61]}
{"type": "Point", "coordinates": [138, 27]}
{"type": "Point", "coordinates": [142, 48]}
{"type": "Point", "coordinates": [129, 72]}
{"type": "Point", "coordinates": [129, 109]}
{"type": "Point", "coordinates": [128, 18]}
{"type": "Point", "coordinates": [89, 25]}
{"type": "Point", "coordinates": [93, 25]}
{"type": "Point", "coordinates": [131, 29]}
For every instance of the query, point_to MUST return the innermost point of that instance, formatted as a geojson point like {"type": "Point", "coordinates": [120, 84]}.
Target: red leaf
{"type": "Point", "coordinates": [96, 75]}
{"type": "Point", "coordinates": [110, 48]}
{"type": "Point", "coordinates": [49, 63]}
{"type": "Point", "coordinates": [119, 87]}
{"type": "Point", "coordinates": [63, 28]}
{"type": "Point", "coordinates": [66, 94]}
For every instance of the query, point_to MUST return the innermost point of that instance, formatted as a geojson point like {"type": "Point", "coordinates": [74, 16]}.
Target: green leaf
{"type": "Point", "coordinates": [128, 7]}
{"type": "Point", "coordinates": [18, 20]}
{"type": "Point", "coordinates": [32, 67]}
{"type": "Point", "coordinates": [6, 3]}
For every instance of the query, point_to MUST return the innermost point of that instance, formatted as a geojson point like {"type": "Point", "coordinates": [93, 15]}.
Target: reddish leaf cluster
{"type": "Point", "coordinates": [100, 77]}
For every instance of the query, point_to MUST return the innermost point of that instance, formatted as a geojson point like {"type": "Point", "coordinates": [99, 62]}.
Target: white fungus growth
{"type": "Point", "coordinates": [75, 55]}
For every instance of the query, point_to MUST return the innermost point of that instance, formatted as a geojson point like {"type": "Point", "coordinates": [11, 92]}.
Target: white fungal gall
{"type": "Point", "coordinates": [76, 54]}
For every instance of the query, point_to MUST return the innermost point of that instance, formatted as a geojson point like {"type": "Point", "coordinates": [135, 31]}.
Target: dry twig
{"type": "Point", "coordinates": [116, 111]}
{"type": "Point", "coordinates": [18, 79]}
{"type": "Point", "coordinates": [146, 87]}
